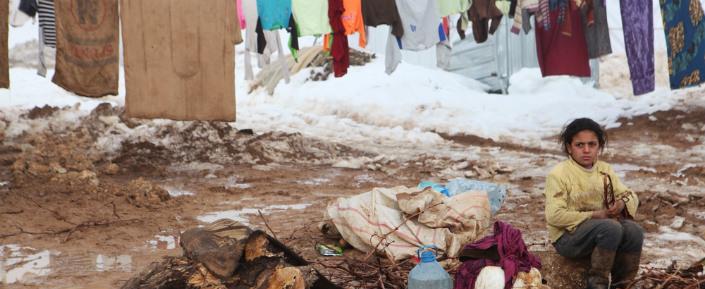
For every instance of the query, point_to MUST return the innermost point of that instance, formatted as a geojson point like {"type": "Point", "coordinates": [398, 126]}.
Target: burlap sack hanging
{"type": "Point", "coordinates": [87, 46]}
{"type": "Point", "coordinates": [179, 58]}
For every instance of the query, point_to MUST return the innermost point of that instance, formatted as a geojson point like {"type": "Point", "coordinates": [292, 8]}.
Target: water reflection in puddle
{"type": "Point", "coordinates": [122, 263]}
{"type": "Point", "coordinates": [30, 266]}
{"type": "Point", "coordinates": [23, 264]}
{"type": "Point", "coordinates": [163, 242]}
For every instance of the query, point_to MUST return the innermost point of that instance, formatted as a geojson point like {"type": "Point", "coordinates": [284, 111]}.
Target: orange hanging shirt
{"type": "Point", "coordinates": [352, 20]}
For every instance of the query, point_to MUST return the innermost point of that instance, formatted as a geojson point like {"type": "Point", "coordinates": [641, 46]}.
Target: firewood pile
{"type": "Point", "coordinates": [672, 278]}
{"type": "Point", "coordinates": [228, 255]}
{"type": "Point", "coordinates": [323, 63]}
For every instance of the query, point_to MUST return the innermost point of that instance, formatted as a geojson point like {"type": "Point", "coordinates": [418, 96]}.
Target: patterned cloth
{"type": "Point", "coordinates": [685, 34]}
{"type": "Point", "coordinates": [637, 19]}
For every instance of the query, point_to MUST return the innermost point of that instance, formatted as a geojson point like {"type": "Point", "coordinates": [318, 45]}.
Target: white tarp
{"type": "Point", "coordinates": [379, 220]}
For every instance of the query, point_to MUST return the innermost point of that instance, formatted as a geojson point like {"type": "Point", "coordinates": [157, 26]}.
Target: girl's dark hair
{"type": "Point", "coordinates": [579, 125]}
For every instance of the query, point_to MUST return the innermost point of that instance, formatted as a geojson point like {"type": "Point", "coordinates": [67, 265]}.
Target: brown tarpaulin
{"type": "Point", "coordinates": [4, 66]}
{"type": "Point", "coordinates": [179, 58]}
{"type": "Point", "coordinates": [87, 46]}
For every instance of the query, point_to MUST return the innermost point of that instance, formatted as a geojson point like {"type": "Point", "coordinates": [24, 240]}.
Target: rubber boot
{"type": "Point", "coordinates": [600, 266]}
{"type": "Point", "coordinates": [625, 269]}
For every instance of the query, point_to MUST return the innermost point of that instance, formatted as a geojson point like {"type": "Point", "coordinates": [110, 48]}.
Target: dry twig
{"type": "Point", "coordinates": [267, 224]}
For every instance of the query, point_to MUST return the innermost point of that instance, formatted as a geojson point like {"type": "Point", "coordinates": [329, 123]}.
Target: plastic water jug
{"type": "Point", "coordinates": [428, 274]}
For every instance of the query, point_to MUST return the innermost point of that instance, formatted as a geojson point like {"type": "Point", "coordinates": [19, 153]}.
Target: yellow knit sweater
{"type": "Point", "coordinates": [573, 193]}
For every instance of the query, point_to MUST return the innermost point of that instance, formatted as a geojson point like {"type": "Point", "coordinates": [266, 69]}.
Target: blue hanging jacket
{"type": "Point", "coordinates": [274, 14]}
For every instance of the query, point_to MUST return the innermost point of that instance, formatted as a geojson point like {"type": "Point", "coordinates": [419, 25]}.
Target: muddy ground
{"type": "Point", "coordinates": [89, 202]}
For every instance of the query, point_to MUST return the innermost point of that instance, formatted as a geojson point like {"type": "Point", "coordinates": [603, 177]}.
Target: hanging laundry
{"type": "Point", "coordinates": [272, 37]}
{"type": "Point", "coordinates": [25, 12]}
{"type": "Point", "coordinates": [444, 49]}
{"type": "Point", "coordinates": [385, 12]}
{"type": "Point", "coordinates": [4, 61]}
{"type": "Point", "coordinates": [237, 32]}
{"type": "Point", "coordinates": [274, 14]}
{"type": "Point", "coordinates": [481, 13]}
{"type": "Point", "coordinates": [353, 21]}
{"type": "Point", "coordinates": [422, 25]}
{"type": "Point", "coordinates": [504, 6]}
{"type": "Point", "coordinates": [379, 12]}
{"type": "Point", "coordinates": [340, 49]}
{"type": "Point", "coordinates": [422, 30]}
{"type": "Point", "coordinates": [241, 15]}
{"type": "Point", "coordinates": [87, 48]}
{"type": "Point", "coordinates": [684, 27]}
{"type": "Point", "coordinates": [28, 7]}
{"type": "Point", "coordinates": [47, 22]}
{"type": "Point", "coordinates": [179, 65]}
{"type": "Point", "coordinates": [505, 248]}
{"type": "Point", "coordinates": [522, 19]}
{"type": "Point", "coordinates": [311, 17]}
{"type": "Point", "coordinates": [561, 49]}
{"type": "Point", "coordinates": [512, 8]}
{"type": "Point", "coordinates": [597, 33]}
{"type": "Point", "coordinates": [451, 7]}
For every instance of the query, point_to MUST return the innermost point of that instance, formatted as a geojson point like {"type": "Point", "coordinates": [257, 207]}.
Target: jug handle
{"type": "Point", "coordinates": [424, 248]}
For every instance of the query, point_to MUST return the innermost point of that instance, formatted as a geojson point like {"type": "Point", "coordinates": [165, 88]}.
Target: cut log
{"type": "Point", "coordinates": [259, 244]}
{"type": "Point", "coordinates": [220, 255]}
{"type": "Point", "coordinates": [561, 272]}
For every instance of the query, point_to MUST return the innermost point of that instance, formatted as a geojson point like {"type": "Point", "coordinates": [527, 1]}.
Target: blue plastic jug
{"type": "Point", "coordinates": [428, 274]}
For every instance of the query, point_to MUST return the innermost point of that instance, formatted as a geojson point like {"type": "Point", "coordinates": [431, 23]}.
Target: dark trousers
{"type": "Point", "coordinates": [621, 236]}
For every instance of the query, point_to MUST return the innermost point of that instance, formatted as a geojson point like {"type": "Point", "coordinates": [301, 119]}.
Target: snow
{"type": "Point", "coordinates": [409, 107]}
{"type": "Point", "coordinates": [241, 215]}
{"type": "Point", "coordinates": [175, 192]}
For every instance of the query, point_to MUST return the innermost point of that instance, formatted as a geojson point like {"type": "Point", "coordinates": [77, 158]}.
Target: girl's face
{"type": "Point", "coordinates": [584, 148]}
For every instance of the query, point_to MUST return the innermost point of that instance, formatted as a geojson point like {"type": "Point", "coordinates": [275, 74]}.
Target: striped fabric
{"type": "Point", "coordinates": [47, 21]}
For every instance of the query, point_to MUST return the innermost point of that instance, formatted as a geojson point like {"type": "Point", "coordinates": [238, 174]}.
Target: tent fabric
{"type": "Point", "coordinates": [379, 220]}
{"type": "Point", "coordinates": [163, 76]}
{"type": "Point", "coordinates": [87, 50]}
